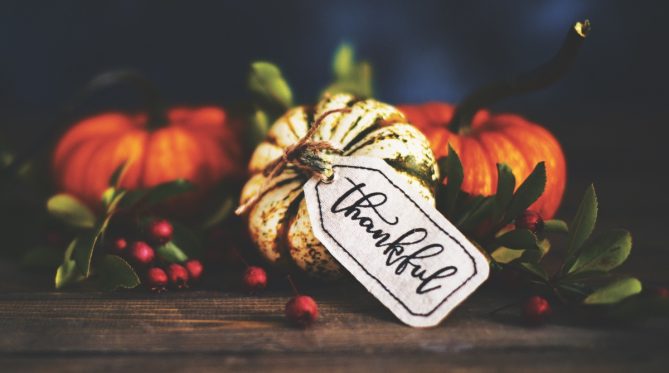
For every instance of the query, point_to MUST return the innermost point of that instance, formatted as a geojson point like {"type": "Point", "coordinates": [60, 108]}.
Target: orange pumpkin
{"type": "Point", "coordinates": [197, 144]}
{"type": "Point", "coordinates": [492, 139]}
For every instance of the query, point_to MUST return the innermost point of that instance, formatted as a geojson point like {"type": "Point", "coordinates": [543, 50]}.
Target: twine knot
{"type": "Point", "coordinates": [311, 157]}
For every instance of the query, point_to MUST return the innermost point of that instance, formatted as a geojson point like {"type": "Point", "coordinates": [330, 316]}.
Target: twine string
{"type": "Point", "coordinates": [305, 155]}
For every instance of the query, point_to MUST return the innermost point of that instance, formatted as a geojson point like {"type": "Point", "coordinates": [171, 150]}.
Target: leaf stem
{"type": "Point", "coordinates": [533, 80]}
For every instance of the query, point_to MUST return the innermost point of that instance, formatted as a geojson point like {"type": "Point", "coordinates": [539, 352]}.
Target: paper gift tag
{"type": "Point", "coordinates": [395, 243]}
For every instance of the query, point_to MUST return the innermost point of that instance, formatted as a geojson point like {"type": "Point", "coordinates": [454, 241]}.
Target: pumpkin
{"type": "Point", "coordinates": [278, 222]}
{"type": "Point", "coordinates": [492, 139]}
{"type": "Point", "coordinates": [196, 144]}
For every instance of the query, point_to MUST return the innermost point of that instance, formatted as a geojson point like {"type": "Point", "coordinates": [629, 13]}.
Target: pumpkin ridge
{"type": "Point", "coordinates": [492, 164]}
{"type": "Point", "coordinates": [523, 152]}
{"type": "Point", "coordinates": [359, 137]}
{"type": "Point", "coordinates": [103, 171]}
{"type": "Point", "coordinates": [389, 136]}
{"type": "Point", "coordinates": [280, 184]}
{"type": "Point", "coordinates": [141, 163]}
{"type": "Point", "coordinates": [291, 126]}
{"type": "Point", "coordinates": [287, 220]}
{"type": "Point", "coordinates": [408, 165]}
{"type": "Point", "coordinates": [212, 161]}
{"type": "Point", "coordinates": [309, 115]}
{"type": "Point", "coordinates": [352, 127]}
{"type": "Point", "coordinates": [132, 158]}
{"type": "Point", "coordinates": [76, 169]}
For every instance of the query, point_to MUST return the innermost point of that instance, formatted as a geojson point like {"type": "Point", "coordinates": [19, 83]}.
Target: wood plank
{"type": "Point", "coordinates": [206, 330]}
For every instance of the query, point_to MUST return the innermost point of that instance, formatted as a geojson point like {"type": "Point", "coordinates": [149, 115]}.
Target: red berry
{"type": "Point", "coordinates": [119, 244]}
{"type": "Point", "coordinates": [537, 310]}
{"type": "Point", "coordinates": [141, 253]}
{"type": "Point", "coordinates": [178, 275]}
{"type": "Point", "coordinates": [301, 310]}
{"type": "Point", "coordinates": [156, 279]}
{"type": "Point", "coordinates": [530, 220]}
{"type": "Point", "coordinates": [662, 292]}
{"type": "Point", "coordinates": [255, 279]}
{"type": "Point", "coordinates": [194, 268]}
{"type": "Point", "coordinates": [161, 231]}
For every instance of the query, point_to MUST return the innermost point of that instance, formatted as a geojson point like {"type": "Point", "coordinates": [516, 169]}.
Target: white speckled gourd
{"type": "Point", "coordinates": [279, 222]}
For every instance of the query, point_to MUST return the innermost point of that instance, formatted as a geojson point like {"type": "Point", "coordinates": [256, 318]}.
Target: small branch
{"type": "Point", "coordinates": [536, 79]}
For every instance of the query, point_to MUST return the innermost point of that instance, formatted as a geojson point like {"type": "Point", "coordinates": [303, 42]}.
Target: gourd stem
{"type": "Point", "coordinates": [533, 80]}
{"type": "Point", "coordinates": [152, 101]}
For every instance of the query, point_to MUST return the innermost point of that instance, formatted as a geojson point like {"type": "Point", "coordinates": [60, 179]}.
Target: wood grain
{"type": "Point", "coordinates": [207, 330]}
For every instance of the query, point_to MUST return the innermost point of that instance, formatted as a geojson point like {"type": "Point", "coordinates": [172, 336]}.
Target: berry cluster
{"type": "Point", "coordinates": [141, 254]}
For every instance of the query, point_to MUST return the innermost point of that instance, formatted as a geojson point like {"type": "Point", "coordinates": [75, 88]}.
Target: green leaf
{"type": "Point", "coordinates": [83, 250]}
{"type": "Point", "coordinates": [519, 239]}
{"type": "Point", "coordinates": [518, 244]}
{"type": "Point", "coordinates": [343, 63]}
{"type": "Point", "coordinates": [584, 221]}
{"type": "Point", "coordinates": [267, 83]}
{"type": "Point", "coordinates": [555, 226]}
{"type": "Point", "coordinates": [132, 197]}
{"type": "Point", "coordinates": [221, 213]}
{"type": "Point", "coordinates": [605, 253]}
{"type": "Point", "coordinates": [170, 252]}
{"type": "Point", "coordinates": [364, 79]}
{"type": "Point", "coordinates": [544, 247]}
{"type": "Point", "coordinates": [506, 184]}
{"type": "Point", "coordinates": [164, 191]}
{"type": "Point", "coordinates": [451, 168]}
{"type": "Point", "coordinates": [108, 196]}
{"type": "Point", "coordinates": [528, 192]}
{"type": "Point", "coordinates": [67, 272]}
{"type": "Point", "coordinates": [350, 76]}
{"type": "Point", "coordinates": [117, 176]}
{"type": "Point", "coordinates": [187, 240]}
{"type": "Point", "coordinates": [70, 211]}
{"type": "Point", "coordinates": [535, 269]}
{"type": "Point", "coordinates": [506, 255]}
{"type": "Point", "coordinates": [259, 125]}
{"type": "Point", "coordinates": [114, 272]}
{"type": "Point", "coordinates": [615, 292]}
{"type": "Point", "coordinates": [475, 216]}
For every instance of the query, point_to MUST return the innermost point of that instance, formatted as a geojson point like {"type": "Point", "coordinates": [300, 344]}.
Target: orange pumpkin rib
{"type": "Point", "coordinates": [210, 166]}
{"type": "Point", "coordinates": [500, 149]}
{"type": "Point", "coordinates": [532, 146]}
{"type": "Point", "coordinates": [96, 127]}
{"type": "Point", "coordinates": [556, 171]}
{"type": "Point", "coordinates": [128, 148]}
{"type": "Point", "coordinates": [171, 154]}
{"type": "Point", "coordinates": [477, 169]}
{"type": "Point", "coordinates": [97, 172]}
{"type": "Point", "coordinates": [156, 163]}
{"type": "Point", "coordinates": [218, 163]}
{"type": "Point", "coordinates": [72, 177]}
{"type": "Point", "coordinates": [491, 161]}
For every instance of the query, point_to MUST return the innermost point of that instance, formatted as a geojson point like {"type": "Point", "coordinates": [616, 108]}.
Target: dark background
{"type": "Point", "coordinates": [609, 112]}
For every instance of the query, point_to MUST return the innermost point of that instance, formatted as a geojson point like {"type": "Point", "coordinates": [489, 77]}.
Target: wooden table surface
{"type": "Point", "coordinates": [41, 329]}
